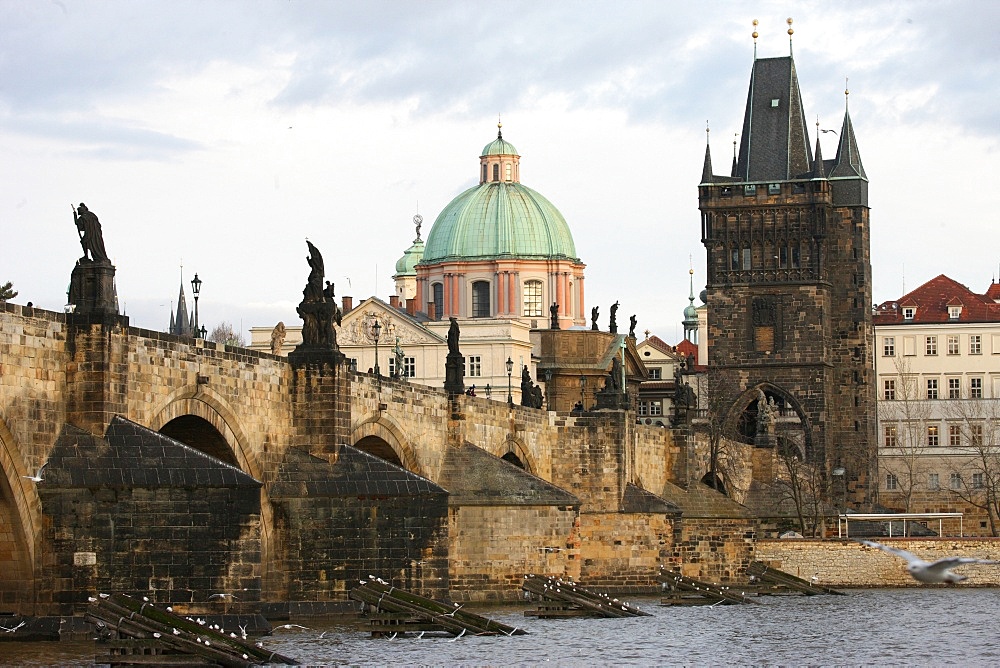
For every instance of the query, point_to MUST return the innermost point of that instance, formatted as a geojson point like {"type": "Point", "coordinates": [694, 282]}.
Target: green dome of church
{"type": "Point", "coordinates": [499, 218]}
{"type": "Point", "coordinates": [406, 265]}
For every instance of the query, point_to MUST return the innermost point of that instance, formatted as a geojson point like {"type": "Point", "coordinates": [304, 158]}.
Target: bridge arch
{"type": "Point", "coordinates": [513, 450]}
{"type": "Point", "coordinates": [744, 408]}
{"type": "Point", "coordinates": [197, 401]}
{"type": "Point", "coordinates": [369, 433]}
{"type": "Point", "coordinates": [21, 515]}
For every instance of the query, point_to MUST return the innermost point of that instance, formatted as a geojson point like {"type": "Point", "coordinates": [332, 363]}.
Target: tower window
{"type": "Point", "coordinates": [773, 188]}
{"type": "Point", "coordinates": [775, 102]}
{"type": "Point", "coordinates": [750, 190]}
{"type": "Point", "coordinates": [481, 299]}
{"type": "Point", "coordinates": [496, 171]}
{"type": "Point", "coordinates": [484, 172]}
{"type": "Point", "coordinates": [506, 172]}
{"type": "Point", "coordinates": [746, 258]}
{"type": "Point", "coordinates": [533, 299]}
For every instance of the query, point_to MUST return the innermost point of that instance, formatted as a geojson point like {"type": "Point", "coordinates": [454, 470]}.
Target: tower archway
{"type": "Point", "coordinates": [20, 517]}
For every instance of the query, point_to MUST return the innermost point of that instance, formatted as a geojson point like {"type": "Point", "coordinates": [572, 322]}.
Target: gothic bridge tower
{"type": "Point", "coordinates": [789, 282]}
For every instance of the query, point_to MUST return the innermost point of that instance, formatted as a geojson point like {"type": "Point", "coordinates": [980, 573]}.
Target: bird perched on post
{"type": "Point", "coordinates": [930, 572]}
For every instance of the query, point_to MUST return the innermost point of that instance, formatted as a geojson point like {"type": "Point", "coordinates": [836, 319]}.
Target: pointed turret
{"type": "Point", "coordinates": [774, 145]}
{"type": "Point", "coordinates": [706, 170]}
{"type": "Point", "coordinates": [820, 171]}
{"type": "Point", "coordinates": [848, 160]}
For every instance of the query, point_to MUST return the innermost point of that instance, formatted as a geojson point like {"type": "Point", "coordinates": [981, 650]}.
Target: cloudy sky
{"type": "Point", "coordinates": [220, 134]}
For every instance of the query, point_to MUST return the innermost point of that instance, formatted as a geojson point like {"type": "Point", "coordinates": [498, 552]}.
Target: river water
{"type": "Point", "coordinates": [870, 627]}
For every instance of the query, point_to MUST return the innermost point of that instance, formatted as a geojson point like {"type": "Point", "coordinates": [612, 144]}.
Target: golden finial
{"type": "Point", "coordinates": [499, 126]}
{"type": "Point", "coordinates": [755, 35]}
{"type": "Point", "coordinates": [790, 31]}
{"type": "Point", "coordinates": [707, 131]}
{"type": "Point", "coordinates": [846, 90]}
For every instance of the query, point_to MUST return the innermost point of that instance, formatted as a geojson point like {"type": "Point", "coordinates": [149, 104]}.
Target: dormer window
{"type": "Point", "coordinates": [750, 190]}
{"type": "Point", "coordinates": [954, 312]}
{"type": "Point", "coordinates": [909, 312]}
{"type": "Point", "coordinates": [773, 188]}
{"type": "Point", "coordinates": [775, 102]}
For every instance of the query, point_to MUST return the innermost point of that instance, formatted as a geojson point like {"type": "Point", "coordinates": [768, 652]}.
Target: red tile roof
{"type": "Point", "coordinates": [687, 348]}
{"type": "Point", "coordinates": [932, 299]}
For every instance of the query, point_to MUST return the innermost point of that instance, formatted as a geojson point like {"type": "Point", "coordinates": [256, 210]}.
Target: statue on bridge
{"type": "Point", "coordinates": [454, 364]}
{"type": "Point", "coordinates": [89, 228]}
{"type": "Point", "coordinates": [277, 338]}
{"type": "Point", "coordinates": [531, 394]}
{"type": "Point", "coordinates": [593, 318]}
{"type": "Point", "coordinates": [318, 309]}
{"type": "Point", "coordinates": [613, 324]}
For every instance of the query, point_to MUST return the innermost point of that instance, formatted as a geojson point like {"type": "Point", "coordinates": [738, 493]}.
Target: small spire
{"type": "Point", "coordinates": [499, 125]}
{"type": "Point", "coordinates": [847, 91]}
{"type": "Point", "coordinates": [706, 169]}
{"type": "Point", "coordinates": [755, 35]}
{"type": "Point", "coordinates": [790, 32]}
{"type": "Point", "coordinates": [735, 137]}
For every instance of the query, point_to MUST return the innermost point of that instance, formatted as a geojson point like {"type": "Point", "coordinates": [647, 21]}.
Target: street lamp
{"type": "Point", "coordinates": [510, 370]}
{"type": "Point", "coordinates": [196, 290]}
{"type": "Point", "coordinates": [489, 391]}
{"type": "Point", "coordinates": [583, 389]}
{"type": "Point", "coordinates": [376, 330]}
{"type": "Point", "coordinates": [548, 394]}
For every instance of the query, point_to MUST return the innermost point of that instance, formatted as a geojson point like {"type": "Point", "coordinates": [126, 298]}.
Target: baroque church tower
{"type": "Point", "coordinates": [789, 284]}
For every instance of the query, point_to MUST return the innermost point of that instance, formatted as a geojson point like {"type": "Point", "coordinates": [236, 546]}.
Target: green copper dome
{"type": "Point", "coordinates": [499, 146]}
{"type": "Point", "coordinates": [406, 265]}
{"type": "Point", "coordinates": [499, 220]}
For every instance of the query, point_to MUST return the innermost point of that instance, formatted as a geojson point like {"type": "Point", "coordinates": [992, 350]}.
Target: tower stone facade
{"type": "Point", "coordinates": [789, 282]}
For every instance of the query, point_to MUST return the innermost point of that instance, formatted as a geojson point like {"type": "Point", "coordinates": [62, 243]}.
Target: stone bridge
{"type": "Point", "coordinates": [179, 468]}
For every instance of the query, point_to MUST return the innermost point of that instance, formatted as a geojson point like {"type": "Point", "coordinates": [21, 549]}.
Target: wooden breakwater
{"type": "Point", "coordinates": [398, 612]}
{"type": "Point", "coordinates": [771, 579]}
{"type": "Point", "coordinates": [565, 598]}
{"type": "Point", "coordinates": [137, 632]}
{"type": "Point", "coordinates": [688, 591]}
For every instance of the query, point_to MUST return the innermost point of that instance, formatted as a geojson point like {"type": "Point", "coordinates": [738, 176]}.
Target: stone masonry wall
{"type": "Point", "coordinates": [624, 550]}
{"type": "Point", "coordinates": [715, 550]}
{"type": "Point", "coordinates": [847, 563]}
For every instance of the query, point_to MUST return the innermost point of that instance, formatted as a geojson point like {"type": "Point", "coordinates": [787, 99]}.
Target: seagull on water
{"type": "Point", "coordinates": [12, 629]}
{"type": "Point", "coordinates": [930, 572]}
{"type": "Point", "coordinates": [293, 626]}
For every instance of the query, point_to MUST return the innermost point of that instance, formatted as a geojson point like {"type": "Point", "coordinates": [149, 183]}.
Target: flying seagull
{"type": "Point", "coordinates": [37, 477]}
{"type": "Point", "coordinates": [930, 572]}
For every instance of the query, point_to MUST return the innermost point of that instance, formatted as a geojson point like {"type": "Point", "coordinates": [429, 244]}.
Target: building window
{"type": "Point", "coordinates": [954, 388]}
{"type": "Point", "coordinates": [481, 299]}
{"type": "Point", "coordinates": [437, 290]}
{"type": "Point", "coordinates": [650, 408]}
{"type": "Point", "coordinates": [782, 257]}
{"type": "Point", "coordinates": [977, 481]}
{"type": "Point", "coordinates": [976, 435]}
{"type": "Point", "coordinates": [889, 389]}
{"type": "Point", "coordinates": [750, 190]}
{"type": "Point", "coordinates": [932, 436]}
{"type": "Point", "coordinates": [506, 172]}
{"type": "Point", "coordinates": [409, 367]}
{"type": "Point", "coordinates": [352, 363]}
{"type": "Point", "coordinates": [734, 259]}
{"type": "Point", "coordinates": [954, 435]}
{"type": "Point", "coordinates": [533, 299]}
{"type": "Point", "coordinates": [496, 171]}
{"type": "Point", "coordinates": [795, 257]}
{"type": "Point", "coordinates": [475, 365]}
{"type": "Point", "coordinates": [975, 388]}
{"type": "Point", "coordinates": [932, 388]}
{"type": "Point", "coordinates": [933, 481]}
{"type": "Point", "coordinates": [889, 438]}
{"type": "Point", "coordinates": [952, 344]}
{"type": "Point", "coordinates": [930, 345]}
{"type": "Point", "coordinates": [484, 172]}
{"type": "Point", "coordinates": [655, 373]}
{"type": "Point", "coordinates": [773, 188]}
{"type": "Point", "coordinates": [909, 312]}
{"type": "Point", "coordinates": [747, 256]}
{"type": "Point", "coordinates": [889, 346]}
{"type": "Point", "coordinates": [955, 480]}
{"type": "Point", "coordinates": [975, 344]}
{"type": "Point", "coordinates": [954, 312]}
{"type": "Point", "coordinates": [891, 482]}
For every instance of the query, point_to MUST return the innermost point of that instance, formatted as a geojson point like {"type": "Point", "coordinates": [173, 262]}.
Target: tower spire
{"type": "Point", "coordinates": [706, 170]}
{"type": "Point", "coordinates": [790, 32]}
{"type": "Point", "coordinates": [755, 22]}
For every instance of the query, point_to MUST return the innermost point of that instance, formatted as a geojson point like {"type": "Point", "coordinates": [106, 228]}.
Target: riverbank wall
{"type": "Point", "coordinates": [848, 563]}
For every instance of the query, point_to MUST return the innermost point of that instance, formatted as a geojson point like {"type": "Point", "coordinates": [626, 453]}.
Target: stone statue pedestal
{"type": "Point", "coordinates": [766, 438]}
{"type": "Point", "coordinates": [92, 288]}
{"type": "Point", "coordinates": [612, 401]}
{"type": "Point", "coordinates": [454, 374]}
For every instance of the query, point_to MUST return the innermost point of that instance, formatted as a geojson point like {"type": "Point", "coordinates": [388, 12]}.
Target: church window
{"type": "Point", "coordinates": [796, 263]}
{"type": "Point", "coordinates": [783, 257]}
{"type": "Point", "coordinates": [506, 172]}
{"type": "Point", "coordinates": [438, 291]}
{"type": "Point", "coordinates": [746, 258]}
{"type": "Point", "coordinates": [533, 299]}
{"type": "Point", "coordinates": [496, 171]}
{"type": "Point", "coordinates": [481, 299]}
{"type": "Point", "coordinates": [734, 259]}
{"type": "Point", "coordinates": [484, 172]}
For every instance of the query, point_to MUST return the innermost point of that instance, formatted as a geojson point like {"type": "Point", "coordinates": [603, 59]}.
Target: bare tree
{"type": "Point", "coordinates": [977, 464]}
{"type": "Point", "coordinates": [721, 425]}
{"type": "Point", "coordinates": [225, 334]}
{"type": "Point", "coordinates": [905, 417]}
{"type": "Point", "coordinates": [802, 486]}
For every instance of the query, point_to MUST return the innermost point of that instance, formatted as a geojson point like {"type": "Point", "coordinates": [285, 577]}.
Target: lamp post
{"type": "Point", "coordinates": [376, 330]}
{"type": "Point", "coordinates": [510, 370]}
{"type": "Point", "coordinates": [583, 389]}
{"type": "Point", "coordinates": [196, 290]}
{"type": "Point", "coordinates": [548, 395]}
{"type": "Point", "coordinates": [489, 391]}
